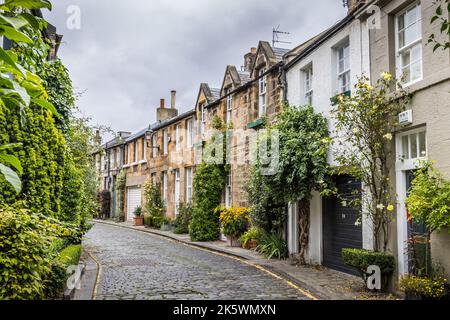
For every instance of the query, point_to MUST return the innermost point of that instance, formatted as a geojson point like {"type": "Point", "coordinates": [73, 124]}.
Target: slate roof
{"type": "Point", "coordinates": [279, 52]}
{"type": "Point", "coordinates": [136, 135]}
{"type": "Point", "coordinates": [215, 92]}
{"type": "Point", "coordinates": [245, 76]}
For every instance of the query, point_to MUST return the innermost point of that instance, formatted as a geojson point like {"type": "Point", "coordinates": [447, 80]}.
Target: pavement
{"type": "Point", "coordinates": [143, 263]}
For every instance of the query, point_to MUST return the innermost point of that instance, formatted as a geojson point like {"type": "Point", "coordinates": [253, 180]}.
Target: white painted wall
{"type": "Point", "coordinates": [324, 62]}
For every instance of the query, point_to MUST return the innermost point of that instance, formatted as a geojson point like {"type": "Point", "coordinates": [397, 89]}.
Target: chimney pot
{"type": "Point", "coordinates": [253, 50]}
{"type": "Point", "coordinates": [173, 97]}
{"type": "Point", "coordinates": [161, 103]}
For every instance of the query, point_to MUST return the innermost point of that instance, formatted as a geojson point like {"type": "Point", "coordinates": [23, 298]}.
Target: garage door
{"type": "Point", "coordinates": [339, 229]}
{"type": "Point", "coordinates": [133, 201]}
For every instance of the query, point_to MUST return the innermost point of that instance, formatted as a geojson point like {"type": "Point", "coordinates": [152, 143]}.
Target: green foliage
{"type": "Point", "coordinates": [362, 259]}
{"type": "Point", "coordinates": [25, 253]}
{"type": "Point", "coordinates": [304, 143]}
{"type": "Point", "coordinates": [433, 288]}
{"type": "Point", "coordinates": [138, 211]}
{"type": "Point", "coordinates": [252, 234]}
{"type": "Point", "coordinates": [181, 223]}
{"type": "Point", "coordinates": [272, 245]}
{"type": "Point", "coordinates": [429, 198]}
{"type": "Point", "coordinates": [22, 88]}
{"type": "Point", "coordinates": [365, 122]}
{"type": "Point", "coordinates": [441, 17]}
{"type": "Point", "coordinates": [267, 210]}
{"type": "Point", "coordinates": [209, 182]}
{"type": "Point", "coordinates": [70, 256]}
{"type": "Point", "coordinates": [234, 221]}
{"type": "Point", "coordinates": [154, 204]}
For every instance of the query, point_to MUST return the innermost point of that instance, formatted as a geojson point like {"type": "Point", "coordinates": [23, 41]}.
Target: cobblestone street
{"type": "Point", "coordinates": [137, 265]}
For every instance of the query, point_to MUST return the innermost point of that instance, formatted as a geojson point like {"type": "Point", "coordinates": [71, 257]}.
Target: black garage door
{"type": "Point", "coordinates": [339, 229]}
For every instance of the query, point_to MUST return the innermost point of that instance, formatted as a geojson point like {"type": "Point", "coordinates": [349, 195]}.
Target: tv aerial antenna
{"type": "Point", "coordinates": [276, 36]}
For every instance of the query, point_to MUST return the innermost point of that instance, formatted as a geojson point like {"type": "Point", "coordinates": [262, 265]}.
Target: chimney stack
{"type": "Point", "coordinates": [352, 5]}
{"type": "Point", "coordinates": [173, 94]}
{"type": "Point", "coordinates": [163, 113]}
{"type": "Point", "coordinates": [249, 58]}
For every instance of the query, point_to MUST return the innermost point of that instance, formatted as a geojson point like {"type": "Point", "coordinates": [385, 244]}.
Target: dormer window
{"type": "Point", "coordinates": [229, 106]}
{"type": "Point", "coordinates": [262, 92]}
{"type": "Point", "coordinates": [203, 119]}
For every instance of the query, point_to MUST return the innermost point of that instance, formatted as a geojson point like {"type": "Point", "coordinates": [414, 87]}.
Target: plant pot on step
{"type": "Point", "coordinates": [233, 241]}
{"type": "Point", "coordinates": [252, 244]}
{"type": "Point", "coordinates": [138, 221]}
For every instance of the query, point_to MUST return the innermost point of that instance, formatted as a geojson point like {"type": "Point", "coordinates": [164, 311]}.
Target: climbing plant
{"type": "Point", "coordinates": [441, 17]}
{"type": "Point", "coordinates": [365, 123]}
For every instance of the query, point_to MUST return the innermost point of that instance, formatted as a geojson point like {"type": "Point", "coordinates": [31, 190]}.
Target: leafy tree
{"type": "Point", "coordinates": [365, 123]}
{"type": "Point", "coordinates": [209, 181]}
{"type": "Point", "coordinates": [441, 16]}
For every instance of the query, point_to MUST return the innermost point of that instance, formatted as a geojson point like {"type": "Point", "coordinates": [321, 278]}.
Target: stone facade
{"type": "Point", "coordinates": [430, 111]}
{"type": "Point", "coordinates": [239, 105]}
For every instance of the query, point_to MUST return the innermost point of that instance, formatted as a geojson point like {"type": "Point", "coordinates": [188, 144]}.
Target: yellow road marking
{"type": "Point", "coordinates": [97, 278]}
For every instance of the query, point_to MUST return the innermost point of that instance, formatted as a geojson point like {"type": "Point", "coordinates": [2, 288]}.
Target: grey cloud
{"type": "Point", "coordinates": [129, 54]}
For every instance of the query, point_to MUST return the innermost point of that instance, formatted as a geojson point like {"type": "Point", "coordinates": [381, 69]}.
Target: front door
{"type": "Point", "coordinates": [340, 227]}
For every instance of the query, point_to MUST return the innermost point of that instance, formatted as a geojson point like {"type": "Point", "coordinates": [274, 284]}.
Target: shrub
{"type": "Point", "coordinates": [138, 211]}
{"type": "Point", "coordinates": [433, 288]}
{"type": "Point", "coordinates": [361, 259]}
{"type": "Point", "coordinates": [25, 255]}
{"type": "Point", "coordinates": [272, 245]}
{"type": "Point", "coordinates": [209, 182]}
{"type": "Point", "coordinates": [234, 221]}
{"type": "Point", "coordinates": [181, 223]}
{"type": "Point", "coordinates": [154, 206]}
{"type": "Point", "coordinates": [252, 234]}
{"type": "Point", "coordinates": [70, 256]}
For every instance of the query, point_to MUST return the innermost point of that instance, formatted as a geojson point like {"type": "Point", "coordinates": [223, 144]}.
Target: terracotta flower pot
{"type": "Point", "coordinates": [252, 244]}
{"type": "Point", "coordinates": [138, 221]}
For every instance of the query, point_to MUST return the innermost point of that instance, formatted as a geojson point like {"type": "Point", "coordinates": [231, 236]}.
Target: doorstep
{"type": "Point", "coordinates": [320, 281]}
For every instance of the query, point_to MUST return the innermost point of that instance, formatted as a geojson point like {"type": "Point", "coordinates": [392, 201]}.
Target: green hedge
{"type": "Point", "coordinates": [70, 256]}
{"type": "Point", "coordinates": [361, 259]}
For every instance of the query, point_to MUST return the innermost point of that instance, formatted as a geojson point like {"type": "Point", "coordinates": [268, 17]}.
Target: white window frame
{"type": "Point", "coordinates": [229, 190]}
{"type": "Point", "coordinates": [144, 149]}
{"type": "Point", "coordinates": [409, 163]}
{"type": "Point", "coordinates": [136, 151]}
{"type": "Point", "coordinates": [165, 188]}
{"type": "Point", "coordinates": [308, 74]}
{"type": "Point", "coordinates": [178, 137]}
{"type": "Point", "coordinates": [165, 141]}
{"type": "Point", "coordinates": [190, 133]}
{"type": "Point", "coordinates": [154, 145]}
{"type": "Point", "coordinates": [346, 72]}
{"type": "Point", "coordinates": [409, 46]}
{"type": "Point", "coordinates": [262, 92]}
{"type": "Point", "coordinates": [189, 184]}
{"type": "Point", "coordinates": [229, 101]}
{"type": "Point", "coordinates": [202, 119]}
{"type": "Point", "coordinates": [176, 187]}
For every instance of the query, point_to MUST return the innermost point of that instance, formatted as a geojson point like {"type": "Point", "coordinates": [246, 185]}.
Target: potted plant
{"type": "Point", "coordinates": [138, 217]}
{"type": "Point", "coordinates": [249, 238]}
{"type": "Point", "coordinates": [234, 222]}
{"type": "Point", "coordinates": [166, 224]}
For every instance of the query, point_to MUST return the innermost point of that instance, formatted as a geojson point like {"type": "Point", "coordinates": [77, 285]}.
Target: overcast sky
{"type": "Point", "coordinates": [129, 54]}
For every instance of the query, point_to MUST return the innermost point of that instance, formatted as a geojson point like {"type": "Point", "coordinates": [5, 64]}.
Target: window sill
{"type": "Point", "coordinates": [334, 99]}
